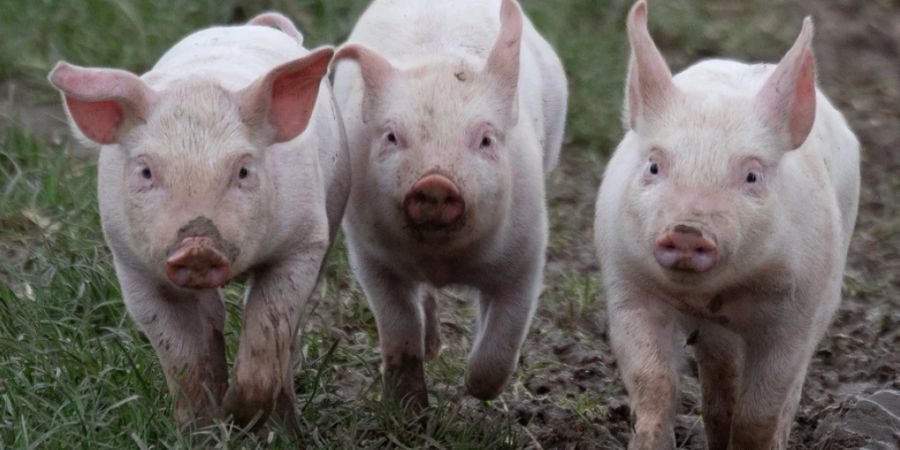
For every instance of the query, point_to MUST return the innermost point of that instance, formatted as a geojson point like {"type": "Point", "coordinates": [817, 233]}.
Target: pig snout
{"type": "Point", "coordinates": [687, 248]}
{"type": "Point", "coordinates": [197, 264]}
{"type": "Point", "coordinates": [434, 202]}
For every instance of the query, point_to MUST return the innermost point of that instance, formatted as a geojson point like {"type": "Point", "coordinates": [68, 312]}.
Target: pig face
{"type": "Point", "coordinates": [438, 140]}
{"type": "Point", "coordinates": [194, 174]}
{"type": "Point", "coordinates": [705, 190]}
{"type": "Point", "coordinates": [198, 198]}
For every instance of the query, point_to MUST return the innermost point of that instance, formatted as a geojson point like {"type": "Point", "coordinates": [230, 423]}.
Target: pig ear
{"type": "Point", "coordinates": [787, 102]}
{"type": "Point", "coordinates": [377, 72]}
{"type": "Point", "coordinates": [649, 85]}
{"type": "Point", "coordinates": [286, 96]}
{"type": "Point", "coordinates": [101, 102]}
{"type": "Point", "coordinates": [503, 63]}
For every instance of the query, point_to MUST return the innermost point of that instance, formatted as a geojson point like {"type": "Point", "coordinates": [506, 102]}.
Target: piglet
{"type": "Point", "coordinates": [228, 159]}
{"type": "Point", "coordinates": [454, 113]}
{"type": "Point", "coordinates": [722, 225]}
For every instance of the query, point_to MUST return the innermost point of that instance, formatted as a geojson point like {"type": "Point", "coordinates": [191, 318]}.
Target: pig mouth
{"type": "Point", "coordinates": [433, 231]}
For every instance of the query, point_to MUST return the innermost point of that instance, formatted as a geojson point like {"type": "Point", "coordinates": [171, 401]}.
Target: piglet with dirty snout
{"type": "Point", "coordinates": [723, 224]}
{"type": "Point", "coordinates": [228, 159]}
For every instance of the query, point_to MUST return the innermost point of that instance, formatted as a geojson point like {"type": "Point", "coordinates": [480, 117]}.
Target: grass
{"type": "Point", "coordinates": [75, 372]}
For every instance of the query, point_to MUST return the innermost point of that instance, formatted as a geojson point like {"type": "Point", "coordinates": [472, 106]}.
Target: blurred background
{"type": "Point", "coordinates": [75, 373]}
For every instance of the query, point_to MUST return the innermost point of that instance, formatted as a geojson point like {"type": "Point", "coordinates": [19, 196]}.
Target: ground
{"type": "Point", "coordinates": [75, 373]}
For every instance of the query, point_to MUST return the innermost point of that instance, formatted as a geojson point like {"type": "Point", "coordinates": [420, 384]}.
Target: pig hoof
{"type": "Point", "coordinates": [248, 407]}
{"type": "Point", "coordinates": [404, 383]}
{"type": "Point", "coordinates": [484, 387]}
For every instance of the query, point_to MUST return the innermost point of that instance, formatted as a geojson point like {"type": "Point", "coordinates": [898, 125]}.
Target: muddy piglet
{"type": "Point", "coordinates": [454, 113]}
{"type": "Point", "coordinates": [226, 160]}
{"type": "Point", "coordinates": [722, 225]}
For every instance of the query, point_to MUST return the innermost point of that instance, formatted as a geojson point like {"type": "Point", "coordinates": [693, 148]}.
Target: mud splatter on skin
{"type": "Point", "coordinates": [203, 227]}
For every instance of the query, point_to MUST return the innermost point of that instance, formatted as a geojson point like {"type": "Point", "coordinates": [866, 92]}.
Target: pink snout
{"type": "Point", "coordinates": [686, 248]}
{"type": "Point", "coordinates": [434, 202]}
{"type": "Point", "coordinates": [196, 264]}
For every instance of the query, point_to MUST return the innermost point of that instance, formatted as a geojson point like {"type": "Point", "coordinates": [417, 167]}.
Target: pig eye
{"type": "Point", "coordinates": [752, 177]}
{"type": "Point", "coordinates": [392, 138]}
{"type": "Point", "coordinates": [654, 168]}
{"type": "Point", "coordinates": [243, 173]}
{"type": "Point", "coordinates": [146, 174]}
{"type": "Point", "coordinates": [486, 142]}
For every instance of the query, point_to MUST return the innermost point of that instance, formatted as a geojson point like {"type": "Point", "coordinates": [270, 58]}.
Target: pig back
{"type": "Point", "coordinates": [232, 57]}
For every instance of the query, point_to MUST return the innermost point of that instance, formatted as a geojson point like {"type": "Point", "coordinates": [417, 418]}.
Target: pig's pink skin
{"type": "Point", "coordinates": [448, 89]}
{"type": "Point", "coordinates": [781, 237]}
{"type": "Point", "coordinates": [195, 120]}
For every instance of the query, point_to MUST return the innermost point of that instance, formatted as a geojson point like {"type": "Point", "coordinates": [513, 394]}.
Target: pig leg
{"type": "Point", "coordinates": [399, 315]}
{"type": "Point", "coordinates": [263, 375]}
{"type": "Point", "coordinates": [432, 326]}
{"type": "Point", "coordinates": [641, 334]}
{"type": "Point", "coordinates": [505, 313]}
{"type": "Point", "coordinates": [185, 329]}
{"type": "Point", "coordinates": [718, 355]}
{"type": "Point", "coordinates": [772, 382]}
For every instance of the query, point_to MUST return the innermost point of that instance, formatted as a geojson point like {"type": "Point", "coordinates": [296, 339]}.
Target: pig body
{"type": "Point", "coordinates": [454, 112]}
{"type": "Point", "coordinates": [723, 221]}
{"type": "Point", "coordinates": [228, 159]}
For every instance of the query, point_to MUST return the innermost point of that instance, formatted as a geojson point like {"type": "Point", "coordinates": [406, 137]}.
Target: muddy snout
{"type": "Point", "coordinates": [434, 202]}
{"type": "Point", "coordinates": [686, 247]}
{"type": "Point", "coordinates": [196, 263]}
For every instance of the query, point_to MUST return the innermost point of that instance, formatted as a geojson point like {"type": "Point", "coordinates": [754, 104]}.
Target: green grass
{"type": "Point", "coordinates": [75, 372]}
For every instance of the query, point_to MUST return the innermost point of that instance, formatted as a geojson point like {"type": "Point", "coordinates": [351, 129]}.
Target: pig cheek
{"type": "Point", "coordinates": [148, 229]}
{"type": "Point", "coordinates": [244, 222]}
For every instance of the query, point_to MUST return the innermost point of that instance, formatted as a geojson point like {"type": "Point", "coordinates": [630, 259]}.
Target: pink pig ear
{"type": "Point", "coordinates": [787, 102]}
{"type": "Point", "coordinates": [377, 72]}
{"type": "Point", "coordinates": [649, 85]}
{"type": "Point", "coordinates": [101, 102]}
{"type": "Point", "coordinates": [285, 97]}
{"type": "Point", "coordinates": [503, 63]}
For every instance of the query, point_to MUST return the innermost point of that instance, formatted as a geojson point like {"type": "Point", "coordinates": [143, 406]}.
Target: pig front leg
{"type": "Point", "coordinates": [399, 316]}
{"type": "Point", "coordinates": [432, 326]}
{"type": "Point", "coordinates": [641, 336]}
{"type": "Point", "coordinates": [504, 315]}
{"type": "Point", "coordinates": [263, 370]}
{"type": "Point", "coordinates": [773, 378]}
{"type": "Point", "coordinates": [719, 359]}
{"type": "Point", "coordinates": [185, 329]}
